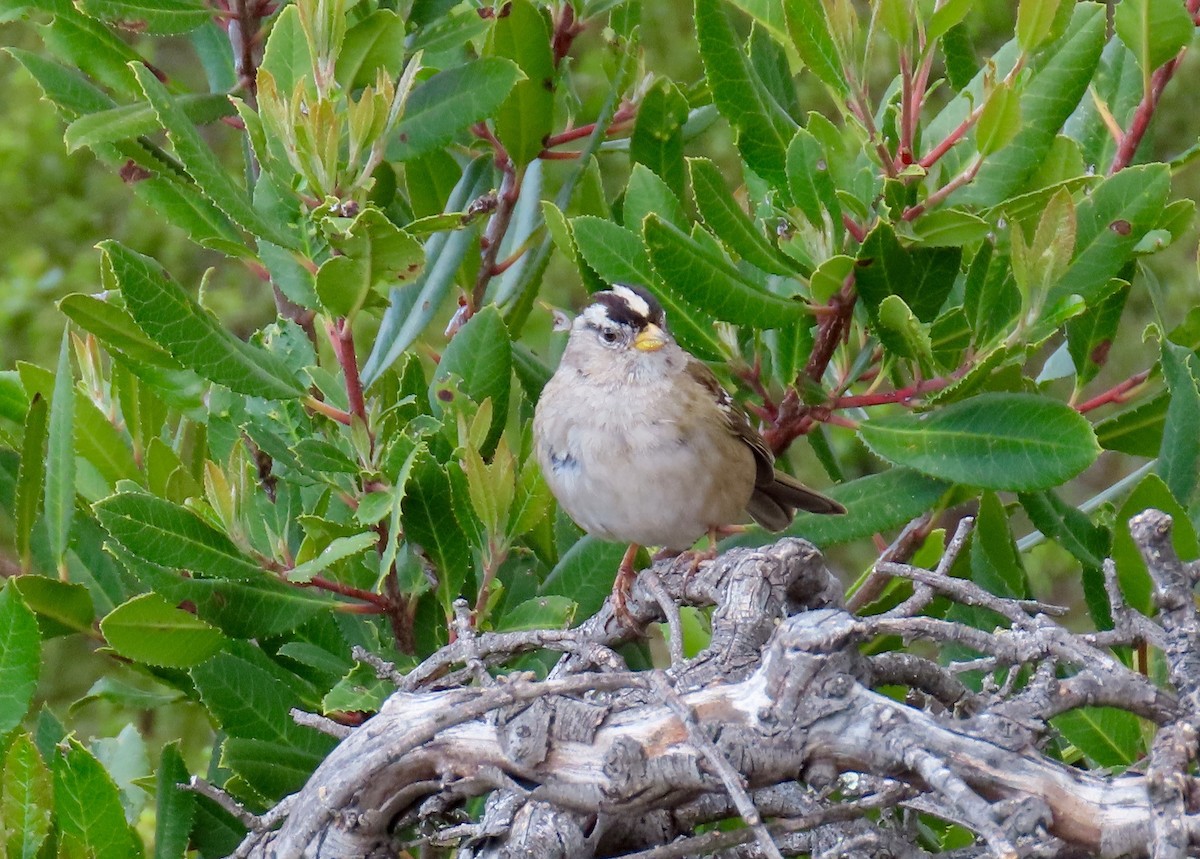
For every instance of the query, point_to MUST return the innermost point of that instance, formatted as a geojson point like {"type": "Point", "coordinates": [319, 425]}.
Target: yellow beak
{"type": "Point", "coordinates": [650, 339]}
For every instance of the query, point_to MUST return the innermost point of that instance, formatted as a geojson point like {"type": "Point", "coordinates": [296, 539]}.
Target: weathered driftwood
{"type": "Point", "coordinates": [775, 723]}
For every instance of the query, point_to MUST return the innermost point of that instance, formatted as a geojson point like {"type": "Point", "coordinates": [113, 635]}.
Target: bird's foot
{"type": "Point", "coordinates": [622, 587]}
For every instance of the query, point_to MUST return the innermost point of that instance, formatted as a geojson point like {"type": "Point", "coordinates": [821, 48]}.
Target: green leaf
{"type": "Point", "coordinates": [1049, 97]}
{"type": "Point", "coordinates": [526, 117]}
{"type": "Point", "coordinates": [923, 276]}
{"type": "Point", "coordinates": [375, 42]}
{"type": "Point", "coordinates": [1019, 442]}
{"type": "Point", "coordinates": [1106, 735]}
{"type": "Point", "coordinates": [30, 475]}
{"type": "Point", "coordinates": [1179, 457]}
{"type": "Point", "coordinates": [161, 17]}
{"type": "Point", "coordinates": [950, 227]}
{"type": "Point", "coordinates": [544, 612]}
{"type": "Point", "coordinates": [87, 807]}
{"type": "Point", "coordinates": [338, 550]}
{"type": "Point", "coordinates": [481, 355]}
{"type": "Point", "coordinates": [697, 276]}
{"type": "Point", "coordinates": [20, 657]}
{"type": "Point", "coordinates": [657, 139]}
{"type": "Point", "coordinates": [62, 608]}
{"type": "Point", "coordinates": [26, 799]}
{"type": "Point", "coordinates": [1155, 30]}
{"type": "Point", "coordinates": [946, 16]}
{"type": "Point", "coordinates": [619, 256]}
{"type": "Point", "coordinates": [60, 457]}
{"type": "Point", "coordinates": [375, 255]}
{"type": "Point", "coordinates": [429, 522]}
{"type": "Point", "coordinates": [203, 165]}
{"type": "Point", "coordinates": [286, 57]}
{"type": "Point", "coordinates": [172, 536]}
{"type": "Point", "coordinates": [1000, 120]}
{"type": "Point", "coordinates": [360, 691]}
{"type": "Point", "coordinates": [809, 27]}
{"type": "Point", "coordinates": [1090, 335]}
{"type": "Point", "coordinates": [450, 101]}
{"type": "Point", "coordinates": [254, 707]}
{"type": "Point", "coordinates": [149, 629]}
{"type": "Point", "coordinates": [903, 334]}
{"type": "Point", "coordinates": [810, 182]}
{"type": "Point", "coordinates": [1131, 568]}
{"type": "Point", "coordinates": [192, 335]}
{"type": "Point", "coordinates": [647, 194]}
{"type": "Point", "coordinates": [1089, 544]}
{"type": "Point", "coordinates": [875, 503]}
{"type": "Point", "coordinates": [115, 329]}
{"type": "Point", "coordinates": [1111, 221]}
{"type": "Point", "coordinates": [175, 808]}
{"type": "Point", "coordinates": [722, 214]}
{"type": "Point", "coordinates": [762, 129]}
{"type": "Point", "coordinates": [1035, 20]}
{"type": "Point", "coordinates": [1137, 431]}
{"type": "Point", "coordinates": [585, 574]}
{"type": "Point", "coordinates": [94, 49]}
{"type": "Point", "coordinates": [96, 439]}
{"type": "Point", "coordinates": [769, 14]}
{"type": "Point", "coordinates": [995, 564]}
{"type": "Point", "coordinates": [138, 120]}
{"type": "Point", "coordinates": [411, 308]}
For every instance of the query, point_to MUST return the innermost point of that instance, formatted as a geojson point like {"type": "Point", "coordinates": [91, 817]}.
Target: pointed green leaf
{"type": "Point", "coordinates": [172, 536]}
{"type": "Point", "coordinates": [375, 42]}
{"type": "Point", "coordinates": [450, 101]}
{"type": "Point", "coordinates": [657, 140]}
{"type": "Point", "coordinates": [192, 335]}
{"type": "Point", "coordinates": [87, 807]}
{"type": "Point", "coordinates": [722, 214]}
{"type": "Point", "coordinates": [481, 355]}
{"type": "Point", "coordinates": [26, 799]}
{"type": "Point", "coordinates": [1179, 458]}
{"type": "Point", "coordinates": [1111, 221]}
{"type": "Point", "coordinates": [1155, 30]}
{"type": "Point", "coordinates": [1090, 335]}
{"type": "Point", "coordinates": [20, 657]}
{"type": "Point", "coordinates": [1019, 442]}
{"type": "Point", "coordinates": [138, 120]}
{"type": "Point", "coordinates": [526, 117]}
{"type": "Point", "coordinates": [762, 128]}
{"type": "Point", "coordinates": [810, 182]}
{"type": "Point", "coordinates": [203, 165]}
{"type": "Point", "coordinates": [175, 808]}
{"type": "Point", "coordinates": [150, 630]}
{"type": "Point", "coordinates": [1106, 735]}
{"type": "Point", "coordinates": [430, 523]}
{"type": "Point", "coordinates": [698, 277]}
{"type": "Point", "coordinates": [60, 456]}
{"type": "Point", "coordinates": [545, 612]}
{"type": "Point", "coordinates": [375, 255]}
{"type": "Point", "coordinates": [995, 564]}
{"type": "Point", "coordinates": [62, 608]}
{"type": "Point", "coordinates": [30, 474]}
{"type": "Point", "coordinates": [1035, 20]}
{"type": "Point", "coordinates": [1050, 96]}
{"type": "Point", "coordinates": [809, 28]}
{"type": "Point", "coordinates": [338, 550]}
{"type": "Point", "coordinates": [922, 276]}
{"type": "Point", "coordinates": [162, 17]}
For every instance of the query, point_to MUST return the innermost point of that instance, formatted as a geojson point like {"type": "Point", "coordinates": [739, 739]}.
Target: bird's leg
{"type": "Point", "coordinates": [622, 586]}
{"type": "Point", "coordinates": [715, 533]}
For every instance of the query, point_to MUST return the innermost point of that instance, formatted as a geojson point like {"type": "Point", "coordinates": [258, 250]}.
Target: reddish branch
{"type": "Point", "coordinates": [377, 602]}
{"type": "Point", "coordinates": [1118, 393]}
{"type": "Point", "coordinates": [506, 202]}
{"type": "Point", "coordinates": [1132, 138]}
{"type": "Point", "coordinates": [342, 339]}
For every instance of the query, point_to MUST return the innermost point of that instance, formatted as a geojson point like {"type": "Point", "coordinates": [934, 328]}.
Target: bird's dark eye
{"type": "Point", "coordinates": [609, 335]}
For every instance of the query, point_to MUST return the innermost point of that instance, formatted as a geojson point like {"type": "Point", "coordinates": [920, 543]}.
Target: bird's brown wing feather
{"type": "Point", "coordinates": [776, 495]}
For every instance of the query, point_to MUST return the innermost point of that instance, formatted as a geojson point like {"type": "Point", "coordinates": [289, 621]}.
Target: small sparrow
{"type": "Point", "coordinates": [641, 444]}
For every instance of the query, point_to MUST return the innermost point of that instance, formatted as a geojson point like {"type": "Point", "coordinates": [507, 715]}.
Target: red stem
{"type": "Point", "coordinates": [902, 395]}
{"type": "Point", "coordinates": [1118, 393]}
{"type": "Point", "coordinates": [342, 339]}
{"type": "Point", "coordinates": [1127, 146]}
{"type": "Point", "coordinates": [377, 600]}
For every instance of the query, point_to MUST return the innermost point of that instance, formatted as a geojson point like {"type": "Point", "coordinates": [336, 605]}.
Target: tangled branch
{"type": "Point", "coordinates": [777, 723]}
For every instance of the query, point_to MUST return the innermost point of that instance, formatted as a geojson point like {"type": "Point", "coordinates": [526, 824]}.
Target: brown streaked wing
{"type": "Point", "coordinates": [736, 421]}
